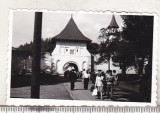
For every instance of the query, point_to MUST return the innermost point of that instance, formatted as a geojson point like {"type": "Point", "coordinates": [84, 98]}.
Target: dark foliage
{"type": "Point", "coordinates": [46, 46]}
{"type": "Point", "coordinates": [92, 48]}
{"type": "Point", "coordinates": [123, 54]}
{"type": "Point", "coordinates": [130, 47]}
{"type": "Point", "coordinates": [138, 30]}
{"type": "Point", "coordinates": [22, 56]}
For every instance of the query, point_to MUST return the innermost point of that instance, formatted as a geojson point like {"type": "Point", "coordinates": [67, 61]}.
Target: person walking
{"type": "Point", "coordinates": [66, 75]}
{"type": "Point", "coordinates": [110, 80]}
{"type": "Point", "coordinates": [78, 74]}
{"type": "Point", "coordinates": [99, 85]}
{"type": "Point", "coordinates": [73, 77]}
{"type": "Point", "coordinates": [86, 77]}
{"type": "Point", "coordinates": [93, 79]}
{"type": "Point", "coordinates": [104, 82]}
{"type": "Point", "coordinates": [115, 79]}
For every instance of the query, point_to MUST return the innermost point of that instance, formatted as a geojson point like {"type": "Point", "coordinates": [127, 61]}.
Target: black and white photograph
{"type": "Point", "coordinates": [85, 56]}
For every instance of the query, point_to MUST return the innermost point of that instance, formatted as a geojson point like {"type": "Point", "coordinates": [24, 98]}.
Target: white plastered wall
{"type": "Point", "coordinates": [147, 6]}
{"type": "Point", "coordinates": [81, 57]}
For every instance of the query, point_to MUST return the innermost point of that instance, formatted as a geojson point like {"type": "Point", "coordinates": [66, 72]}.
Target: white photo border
{"type": "Point", "coordinates": [56, 102]}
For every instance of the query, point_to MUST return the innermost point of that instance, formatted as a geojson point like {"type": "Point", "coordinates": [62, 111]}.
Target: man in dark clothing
{"type": "Point", "coordinates": [104, 82]}
{"type": "Point", "coordinates": [73, 77]}
{"type": "Point", "coordinates": [93, 77]}
{"type": "Point", "coordinates": [66, 75]}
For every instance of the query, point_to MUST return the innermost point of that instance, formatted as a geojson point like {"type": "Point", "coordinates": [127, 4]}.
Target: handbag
{"type": "Point", "coordinates": [94, 93]}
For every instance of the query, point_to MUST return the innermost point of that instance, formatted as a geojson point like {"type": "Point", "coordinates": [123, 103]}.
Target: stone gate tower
{"type": "Point", "coordinates": [71, 49]}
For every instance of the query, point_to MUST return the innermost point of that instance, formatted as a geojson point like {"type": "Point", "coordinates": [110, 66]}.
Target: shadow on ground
{"type": "Point", "coordinates": [126, 95]}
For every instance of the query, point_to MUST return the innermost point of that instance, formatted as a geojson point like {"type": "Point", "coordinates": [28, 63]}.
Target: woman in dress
{"type": "Point", "coordinates": [99, 85]}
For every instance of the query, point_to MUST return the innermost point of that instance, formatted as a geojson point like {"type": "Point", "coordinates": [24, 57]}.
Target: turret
{"type": "Point", "coordinates": [113, 26]}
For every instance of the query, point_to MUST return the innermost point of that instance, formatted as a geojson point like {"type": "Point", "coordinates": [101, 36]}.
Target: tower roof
{"type": "Point", "coordinates": [71, 33]}
{"type": "Point", "coordinates": [113, 23]}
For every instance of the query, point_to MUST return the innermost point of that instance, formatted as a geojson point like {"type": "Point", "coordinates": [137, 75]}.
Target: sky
{"type": "Point", "coordinates": [54, 22]}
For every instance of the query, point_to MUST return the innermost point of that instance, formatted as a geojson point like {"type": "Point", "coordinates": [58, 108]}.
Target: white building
{"type": "Point", "coordinates": [71, 49]}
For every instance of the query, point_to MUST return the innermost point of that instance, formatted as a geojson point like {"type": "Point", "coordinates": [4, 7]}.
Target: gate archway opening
{"type": "Point", "coordinates": [69, 66]}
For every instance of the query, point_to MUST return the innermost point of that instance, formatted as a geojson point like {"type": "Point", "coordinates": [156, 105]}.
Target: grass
{"type": "Point", "coordinates": [25, 80]}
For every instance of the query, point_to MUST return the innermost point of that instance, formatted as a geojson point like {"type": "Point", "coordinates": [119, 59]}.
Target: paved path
{"type": "Point", "coordinates": [79, 93]}
{"type": "Point", "coordinates": [62, 91]}
{"type": "Point", "coordinates": [120, 94]}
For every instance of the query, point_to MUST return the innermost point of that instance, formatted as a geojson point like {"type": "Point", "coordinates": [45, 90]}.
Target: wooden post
{"type": "Point", "coordinates": [35, 85]}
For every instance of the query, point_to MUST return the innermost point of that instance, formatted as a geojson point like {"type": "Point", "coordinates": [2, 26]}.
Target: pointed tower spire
{"type": "Point", "coordinates": [113, 23]}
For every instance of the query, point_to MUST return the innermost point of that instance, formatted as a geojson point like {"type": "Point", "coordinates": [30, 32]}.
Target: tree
{"type": "Point", "coordinates": [47, 64]}
{"type": "Point", "coordinates": [120, 51]}
{"type": "Point", "coordinates": [106, 52]}
{"type": "Point", "coordinates": [108, 36]}
{"type": "Point", "coordinates": [138, 30]}
{"type": "Point", "coordinates": [130, 47]}
{"type": "Point", "coordinates": [123, 55]}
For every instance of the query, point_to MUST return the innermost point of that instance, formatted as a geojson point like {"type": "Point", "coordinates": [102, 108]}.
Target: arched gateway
{"type": "Point", "coordinates": [70, 65]}
{"type": "Point", "coordinates": [71, 49]}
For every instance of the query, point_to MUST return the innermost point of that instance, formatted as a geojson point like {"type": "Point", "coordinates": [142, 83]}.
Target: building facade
{"type": "Point", "coordinates": [71, 51]}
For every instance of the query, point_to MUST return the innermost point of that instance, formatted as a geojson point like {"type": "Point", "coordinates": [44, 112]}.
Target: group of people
{"type": "Point", "coordinates": [72, 75]}
{"type": "Point", "coordinates": [103, 82]}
